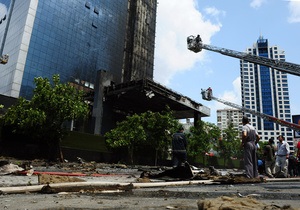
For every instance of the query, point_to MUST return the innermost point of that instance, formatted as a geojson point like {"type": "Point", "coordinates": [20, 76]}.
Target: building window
{"type": "Point", "coordinates": [88, 5]}
{"type": "Point", "coordinates": [96, 10]}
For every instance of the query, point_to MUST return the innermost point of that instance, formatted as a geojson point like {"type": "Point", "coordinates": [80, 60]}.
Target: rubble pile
{"type": "Point", "coordinates": [236, 203]}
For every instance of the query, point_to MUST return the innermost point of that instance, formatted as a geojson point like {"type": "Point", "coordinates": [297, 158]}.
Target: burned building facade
{"type": "Point", "coordinates": [105, 47]}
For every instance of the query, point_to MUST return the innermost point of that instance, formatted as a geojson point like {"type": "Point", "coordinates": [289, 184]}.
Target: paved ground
{"type": "Point", "coordinates": [157, 194]}
{"type": "Point", "coordinates": [164, 197]}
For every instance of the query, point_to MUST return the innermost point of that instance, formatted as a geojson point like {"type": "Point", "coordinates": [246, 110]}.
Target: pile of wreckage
{"type": "Point", "coordinates": [155, 175]}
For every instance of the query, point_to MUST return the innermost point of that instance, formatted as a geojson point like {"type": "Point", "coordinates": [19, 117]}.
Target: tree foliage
{"type": "Point", "coordinates": [52, 104]}
{"type": "Point", "coordinates": [128, 133]}
{"type": "Point", "coordinates": [146, 130]}
{"type": "Point", "coordinates": [159, 128]}
{"type": "Point", "coordinates": [202, 138]}
{"type": "Point", "coordinates": [230, 144]}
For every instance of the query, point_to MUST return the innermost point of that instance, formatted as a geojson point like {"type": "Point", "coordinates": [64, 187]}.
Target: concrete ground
{"type": "Point", "coordinates": [24, 192]}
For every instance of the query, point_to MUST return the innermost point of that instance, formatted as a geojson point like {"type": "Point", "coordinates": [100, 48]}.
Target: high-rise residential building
{"type": "Point", "coordinates": [266, 90]}
{"type": "Point", "coordinates": [228, 116]}
{"type": "Point", "coordinates": [104, 47]}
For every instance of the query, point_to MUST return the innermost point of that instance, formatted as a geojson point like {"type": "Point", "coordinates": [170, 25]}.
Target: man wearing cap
{"type": "Point", "coordinates": [179, 146]}
{"type": "Point", "coordinates": [269, 154]}
{"type": "Point", "coordinates": [250, 138]}
{"type": "Point", "coordinates": [282, 156]}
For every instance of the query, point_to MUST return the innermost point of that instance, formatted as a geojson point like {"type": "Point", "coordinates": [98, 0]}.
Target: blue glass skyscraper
{"type": "Point", "coordinates": [266, 90]}
{"type": "Point", "coordinates": [72, 38]}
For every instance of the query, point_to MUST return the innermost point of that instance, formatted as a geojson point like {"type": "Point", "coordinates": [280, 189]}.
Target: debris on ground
{"type": "Point", "coordinates": [236, 203]}
{"type": "Point", "coordinates": [61, 172]}
{"type": "Point", "coordinates": [50, 179]}
{"type": "Point", "coordinates": [237, 179]}
{"type": "Point", "coordinates": [116, 188]}
{"type": "Point", "coordinates": [77, 175]}
{"type": "Point", "coordinates": [9, 168]}
{"type": "Point", "coordinates": [188, 172]}
{"type": "Point", "coordinates": [179, 173]}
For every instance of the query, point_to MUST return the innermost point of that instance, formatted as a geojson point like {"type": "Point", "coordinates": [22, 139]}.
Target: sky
{"type": "Point", "coordinates": [231, 24]}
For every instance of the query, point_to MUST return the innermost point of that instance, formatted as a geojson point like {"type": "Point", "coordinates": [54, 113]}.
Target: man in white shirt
{"type": "Point", "coordinates": [282, 157]}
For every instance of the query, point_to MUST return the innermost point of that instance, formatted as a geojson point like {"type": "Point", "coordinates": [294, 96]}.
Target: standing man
{"type": "Point", "coordinates": [179, 146]}
{"type": "Point", "coordinates": [282, 156]}
{"type": "Point", "coordinates": [250, 138]}
{"type": "Point", "coordinates": [269, 154]}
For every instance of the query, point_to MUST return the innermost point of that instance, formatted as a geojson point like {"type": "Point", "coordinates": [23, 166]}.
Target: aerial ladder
{"type": "Point", "coordinates": [195, 44]}
{"type": "Point", "coordinates": [208, 95]}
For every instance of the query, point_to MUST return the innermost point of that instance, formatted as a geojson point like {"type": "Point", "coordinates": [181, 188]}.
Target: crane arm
{"type": "Point", "coordinates": [195, 44]}
{"type": "Point", "coordinates": [207, 95]}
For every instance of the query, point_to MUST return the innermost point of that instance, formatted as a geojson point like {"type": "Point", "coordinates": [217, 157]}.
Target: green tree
{"type": "Point", "coordinates": [159, 128]}
{"type": "Point", "coordinates": [202, 138]}
{"type": "Point", "coordinates": [129, 133]}
{"type": "Point", "coordinates": [52, 104]}
{"type": "Point", "coordinates": [230, 144]}
{"type": "Point", "coordinates": [147, 130]}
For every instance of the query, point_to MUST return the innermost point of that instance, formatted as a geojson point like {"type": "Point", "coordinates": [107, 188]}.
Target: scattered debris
{"type": "Point", "coordinates": [50, 179]}
{"type": "Point", "coordinates": [80, 160]}
{"type": "Point", "coordinates": [230, 179]}
{"type": "Point", "coordinates": [9, 168]}
{"type": "Point", "coordinates": [214, 172]}
{"type": "Point", "coordinates": [180, 172]}
{"type": "Point", "coordinates": [81, 188]}
{"type": "Point", "coordinates": [237, 203]}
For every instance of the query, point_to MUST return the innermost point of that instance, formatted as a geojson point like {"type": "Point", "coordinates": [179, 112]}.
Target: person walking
{"type": "Point", "coordinates": [250, 138]}
{"type": "Point", "coordinates": [179, 147]}
{"type": "Point", "coordinates": [269, 154]}
{"type": "Point", "coordinates": [282, 156]}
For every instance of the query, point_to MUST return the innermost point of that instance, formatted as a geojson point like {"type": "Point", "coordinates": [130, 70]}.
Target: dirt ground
{"type": "Point", "coordinates": [193, 195]}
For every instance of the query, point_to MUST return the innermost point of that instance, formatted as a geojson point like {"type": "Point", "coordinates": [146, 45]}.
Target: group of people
{"type": "Point", "coordinates": [280, 157]}
{"type": "Point", "coordinates": [276, 159]}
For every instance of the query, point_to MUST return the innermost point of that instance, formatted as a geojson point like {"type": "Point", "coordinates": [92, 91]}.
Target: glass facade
{"type": "Point", "coordinates": [72, 38]}
{"type": "Point", "coordinates": [265, 83]}
{"type": "Point", "coordinates": [90, 43]}
{"type": "Point", "coordinates": [4, 7]}
{"type": "Point", "coordinates": [266, 90]}
{"type": "Point", "coordinates": [76, 39]}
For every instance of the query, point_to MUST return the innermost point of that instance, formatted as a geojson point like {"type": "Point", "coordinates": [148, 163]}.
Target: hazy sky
{"type": "Point", "coordinates": [229, 24]}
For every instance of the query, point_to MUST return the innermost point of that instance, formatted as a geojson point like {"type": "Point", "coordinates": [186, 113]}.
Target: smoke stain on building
{"type": "Point", "coordinates": [105, 48]}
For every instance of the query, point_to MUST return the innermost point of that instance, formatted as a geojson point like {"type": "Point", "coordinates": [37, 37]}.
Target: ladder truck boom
{"type": "Point", "coordinates": [207, 95]}
{"type": "Point", "coordinates": [194, 43]}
